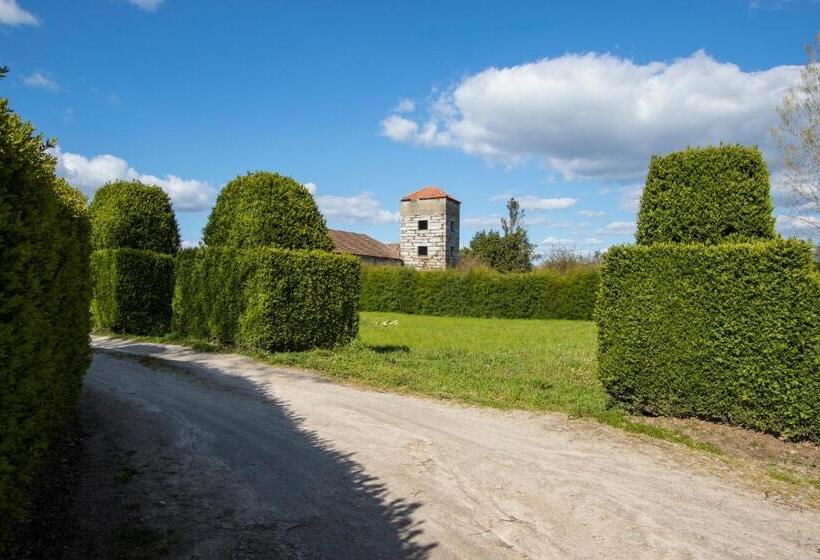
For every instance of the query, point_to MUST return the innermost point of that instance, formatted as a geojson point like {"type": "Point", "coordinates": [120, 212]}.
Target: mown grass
{"type": "Point", "coordinates": [537, 365]}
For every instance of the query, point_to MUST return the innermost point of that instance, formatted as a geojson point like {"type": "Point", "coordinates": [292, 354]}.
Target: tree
{"type": "Point", "coordinates": [510, 252]}
{"type": "Point", "coordinates": [798, 137]}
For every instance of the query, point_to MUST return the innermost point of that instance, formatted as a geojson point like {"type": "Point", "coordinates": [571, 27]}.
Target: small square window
{"type": "Point", "coordinates": [422, 224]}
{"type": "Point", "coordinates": [422, 250]}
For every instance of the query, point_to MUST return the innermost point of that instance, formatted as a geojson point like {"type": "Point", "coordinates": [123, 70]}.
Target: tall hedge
{"type": "Point", "coordinates": [266, 209]}
{"type": "Point", "coordinates": [725, 332]}
{"type": "Point", "coordinates": [266, 298]}
{"type": "Point", "coordinates": [44, 301]}
{"type": "Point", "coordinates": [135, 234]}
{"type": "Point", "coordinates": [480, 293]}
{"type": "Point", "coordinates": [695, 322]}
{"type": "Point", "coordinates": [706, 195]}
{"type": "Point", "coordinates": [133, 289]}
{"type": "Point", "coordinates": [131, 215]}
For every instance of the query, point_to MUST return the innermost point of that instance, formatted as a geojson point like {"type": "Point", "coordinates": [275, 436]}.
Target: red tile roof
{"type": "Point", "coordinates": [361, 244]}
{"type": "Point", "coordinates": [426, 193]}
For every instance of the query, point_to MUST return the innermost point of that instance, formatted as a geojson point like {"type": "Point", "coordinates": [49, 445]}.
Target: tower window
{"type": "Point", "coordinates": [422, 250]}
{"type": "Point", "coordinates": [422, 224]}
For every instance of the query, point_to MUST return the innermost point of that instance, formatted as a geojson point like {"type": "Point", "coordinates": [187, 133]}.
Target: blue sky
{"type": "Point", "coordinates": [560, 104]}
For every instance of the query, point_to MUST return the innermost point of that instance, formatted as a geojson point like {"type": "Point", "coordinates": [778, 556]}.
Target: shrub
{"type": "Point", "coordinates": [134, 216]}
{"type": "Point", "coordinates": [44, 300]}
{"type": "Point", "coordinates": [725, 332]}
{"type": "Point", "coordinates": [266, 209]}
{"type": "Point", "coordinates": [480, 293]}
{"type": "Point", "coordinates": [132, 291]}
{"type": "Point", "coordinates": [706, 195]}
{"type": "Point", "coordinates": [266, 298]}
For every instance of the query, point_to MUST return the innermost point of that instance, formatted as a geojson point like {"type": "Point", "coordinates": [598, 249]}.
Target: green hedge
{"type": "Point", "coordinates": [706, 195]}
{"type": "Point", "coordinates": [44, 323]}
{"type": "Point", "coordinates": [480, 293]}
{"type": "Point", "coordinates": [135, 216]}
{"type": "Point", "coordinates": [132, 291]}
{"type": "Point", "coordinates": [266, 209]}
{"type": "Point", "coordinates": [724, 332]}
{"type": "Point", "coordinates": [266, 298]}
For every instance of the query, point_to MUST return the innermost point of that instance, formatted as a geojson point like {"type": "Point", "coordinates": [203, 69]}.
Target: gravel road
{"type": "Point", "coordinates": [235, 459]}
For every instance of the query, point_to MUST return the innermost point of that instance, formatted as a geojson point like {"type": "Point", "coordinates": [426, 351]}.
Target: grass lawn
{"type": "Point", "coordinates": [505, 363]}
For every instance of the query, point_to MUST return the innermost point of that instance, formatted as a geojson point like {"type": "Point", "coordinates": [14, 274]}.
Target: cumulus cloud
{"type": "Point", "coordinates": [38, 80]}
{"type": "Point", "coordinates": [482, 221]}
{"type": "Point", "coordinates": [362, 208]}
{"type": "Point", "coordinates": [405, 105]}
{"type": "Point", "coordinates": [12, 14]}
{"type": "Point", "coordinates": [530, 202]}
{"type": "Point", "coordinates": [88, 174]}
{"type": "Point", "coordinates": [618, 228]}
{"type": "Point", "coordinates": [147, 5]}
{"type": "Point", "coordinates": [591, 213]}
{"type": "Point", "coordinates": [598, 116]}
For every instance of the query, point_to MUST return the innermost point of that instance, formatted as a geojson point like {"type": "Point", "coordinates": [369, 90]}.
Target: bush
{"type": "Point", "coordinates": [132, 291]}
{"type": "Point", "coordinates": [723, 332]}
{"type": "Point", "coordinates": [480, 293]}
{"type": "Point", "coordinates": [706, 195]}
{"type": "Point", "coordinates": [134, 216]}
{"type": "Point", "coordinates": [266, 209]}
{"type": "Point", "coordinates": [44, 301]}
{"type": "Point", "coordinates": [266, 298]}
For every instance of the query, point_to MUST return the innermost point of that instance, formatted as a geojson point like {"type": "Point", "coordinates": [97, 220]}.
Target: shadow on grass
{"type": "Point", "coordinates": [289, 485]}
{"type": "Point", "coordinates": [388, 348]}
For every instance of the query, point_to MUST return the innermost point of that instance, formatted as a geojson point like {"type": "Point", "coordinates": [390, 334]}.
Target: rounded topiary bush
{"type": "Point", "coordinates": [266, 209]}
{"type": "Point", "coordinates": [706, 195]}
{"type": "Point", "coordinates": [131, 215]}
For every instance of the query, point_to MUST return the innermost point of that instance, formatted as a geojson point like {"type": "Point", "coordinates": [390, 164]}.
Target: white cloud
{"type": "Point", "coordinates": [362, 208]}
{"type": "Point", "coordinates": [89, 174]}
{"type": "Point", "coordinates": [12, 14]}
{"type": "Point", "coordinates": [597, 116]}
{"type": "Point", "coordinates": [557, 241]}
{"type": "Point", "coordinates": [399, 129]}
{"type": "Point", "coordinates": [405, 105]}
{"type": "Point", "coordinates": [591, 213]}
{"type": "Point", "coordinates": [530, 202]}
{"type": "Point", "coordinates": [38, 80]}
{"type": "Point", "coordinates": [618, 228]}
{"type": "Point", "coordinates": [629, 198]}
{"type": "Point", "coordinates": [189, 244]}
{"type": "Point", "coordinates": [147, 5]}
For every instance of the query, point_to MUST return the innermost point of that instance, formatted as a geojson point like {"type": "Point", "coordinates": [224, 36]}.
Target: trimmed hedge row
{"type": "Point", "coordinates": [706, 195]}
{"type": "Point", "coordinates": [266, 298]}
{"type": "Point", "coordinates": [266, 209]}
{"type": "Point", "coordinates": [135, 216]}
{"type": "Point", "coordinates": [132, 291]}
{"type": "Point", "coordinates": [44, 319]}
{"type": "Point", "coordinates": [723, 332]}
{"type": "Point", "coordinates": [480, 293]}
{"type": "Point", "coordinates": [135, 233]}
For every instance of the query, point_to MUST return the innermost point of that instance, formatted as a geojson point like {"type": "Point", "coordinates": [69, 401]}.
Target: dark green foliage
{"type": "Point", "coordinates": [480, 293]}
{"type": "Point", "coordinates": [132, 291]}
{"type": "Point", "coordinates": [44, 300]}
{"type": "Point", "coordinates": [726, 332]}
{"type": "Point", "coordinates": [266, 209]}
{"type": "Point", "coordinates": [135, 216]}
{"type": "Point", "coordinates": [267, 298]}
{"type": "Point", "coordinates": [510, 252]}
{"type": "Point", "coordinates": [706, 195]}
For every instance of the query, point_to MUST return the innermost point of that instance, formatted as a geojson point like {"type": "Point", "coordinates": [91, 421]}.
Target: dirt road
{"type": "Point", "coordinates": [233, 459]}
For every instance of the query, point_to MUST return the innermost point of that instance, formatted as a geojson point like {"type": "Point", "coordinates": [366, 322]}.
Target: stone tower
{"type": "Point", "coordinates": [429, 229]}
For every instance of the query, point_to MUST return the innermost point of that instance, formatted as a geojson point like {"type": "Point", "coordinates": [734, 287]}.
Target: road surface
{"type": "Point", "coordinates": [243, 460]}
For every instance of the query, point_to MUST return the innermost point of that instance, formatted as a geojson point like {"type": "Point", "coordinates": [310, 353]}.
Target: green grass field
{"type": "Point", "coordinates": [506, 363]}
